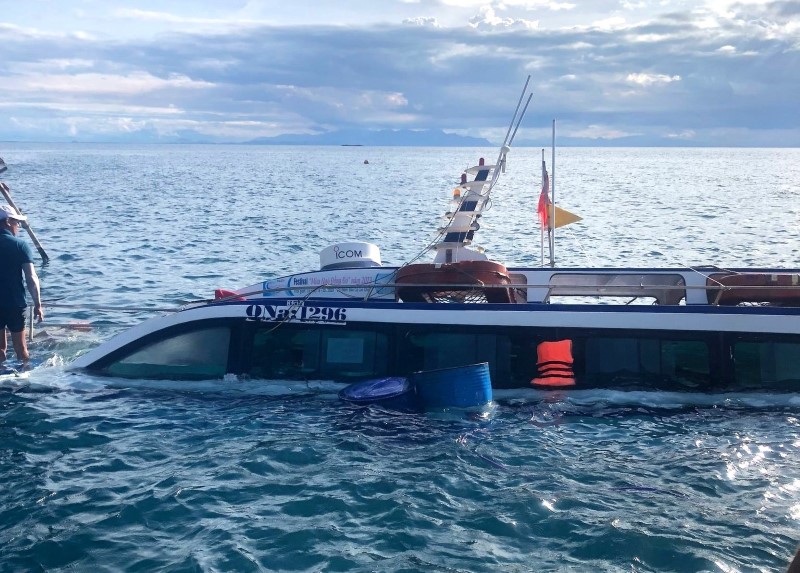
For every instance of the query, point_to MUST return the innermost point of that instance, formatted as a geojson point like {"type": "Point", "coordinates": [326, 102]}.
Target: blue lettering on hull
{"type": "Point", "coordinates": [295, 312]}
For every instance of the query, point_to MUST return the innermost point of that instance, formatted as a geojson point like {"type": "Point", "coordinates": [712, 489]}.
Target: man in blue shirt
{"type": "Point", "coordinates": [16, 261]}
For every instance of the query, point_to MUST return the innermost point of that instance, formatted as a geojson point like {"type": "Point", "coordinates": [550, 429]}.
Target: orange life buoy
{"type": "Point", "coordinates": [554, 364]}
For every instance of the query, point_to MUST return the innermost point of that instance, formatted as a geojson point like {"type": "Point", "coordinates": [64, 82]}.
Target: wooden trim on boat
{"type": "Point", "coordinates": [735, 288]}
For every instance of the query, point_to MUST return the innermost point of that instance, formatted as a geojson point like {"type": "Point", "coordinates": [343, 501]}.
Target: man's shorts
{"type": "Point", "coordinates": [12, 318]}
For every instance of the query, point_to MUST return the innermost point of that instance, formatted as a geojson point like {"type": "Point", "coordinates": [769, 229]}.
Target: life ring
{"type": "Point", "coordinates": [464, 281]}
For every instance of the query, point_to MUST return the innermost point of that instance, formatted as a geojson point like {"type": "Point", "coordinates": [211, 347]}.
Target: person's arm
{"type": "Point", "coordinates": [32, 280]}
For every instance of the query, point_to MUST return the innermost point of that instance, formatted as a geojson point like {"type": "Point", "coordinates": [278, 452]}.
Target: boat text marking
{"type": "Point", "coordinates": [296, 312]}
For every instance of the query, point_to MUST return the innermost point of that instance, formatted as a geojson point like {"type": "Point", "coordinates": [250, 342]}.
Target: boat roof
{"type": "Point", "coordinates": [680, 285]}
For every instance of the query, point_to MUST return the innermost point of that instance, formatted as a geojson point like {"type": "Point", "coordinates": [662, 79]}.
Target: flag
{"type": "Point", "coordinates": [564, 217]}
{"type": "Point", "coordinates": [545, 207]}
{"type": "Point", "coordinates": [544, 198]}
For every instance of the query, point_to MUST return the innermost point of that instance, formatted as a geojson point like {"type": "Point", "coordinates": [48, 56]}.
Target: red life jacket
{"type": "Point", "coordinates": [554, 364]}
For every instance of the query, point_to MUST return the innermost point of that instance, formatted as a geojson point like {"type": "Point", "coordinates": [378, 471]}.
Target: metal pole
{"type": "Point", "coordinates": [553, 196]}
{"type": "Point", "coordinates": [516, 111]}
{"type": "Point", "coordinates": [7, 194]}
{"type": "Point", "coordinates": [541, 245]}
{"type": "Point", "coordinates": [506, 143]}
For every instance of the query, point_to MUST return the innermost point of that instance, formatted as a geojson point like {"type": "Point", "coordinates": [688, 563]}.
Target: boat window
{"type": "Point", "coordinates": [770, 364]}
{"type": "Point", "coordinates": [353, 354]}
{"type": "Point", "coordinates": [196, 355]}
{"type": "Point", "coordinates": [431, 350]}
{"type": "Point", "coordinates": [322, 353]}
{"type": "Point", "coordinates": [285, 352]}
{"type": "Point", "coordinates": [661, 288]}
{"type": "Point", "coordinates": [644, 362]}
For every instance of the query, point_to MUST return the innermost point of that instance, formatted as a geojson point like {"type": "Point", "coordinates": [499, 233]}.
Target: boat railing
{"type": "Point", "coordinates": [386, 291]}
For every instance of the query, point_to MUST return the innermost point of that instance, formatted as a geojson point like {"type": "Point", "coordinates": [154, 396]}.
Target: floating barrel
{"type": "Point", "coordinates": [394, 392]}
{"type": "Point", "coordinates": [459, 387]}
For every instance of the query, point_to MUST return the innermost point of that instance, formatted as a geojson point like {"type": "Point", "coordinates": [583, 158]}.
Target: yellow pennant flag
{"type": "Point", "coordinates": [564, 217]}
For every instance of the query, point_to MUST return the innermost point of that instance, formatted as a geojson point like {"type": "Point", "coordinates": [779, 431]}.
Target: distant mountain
{"type": "Point", "coordinates": [384, 137]}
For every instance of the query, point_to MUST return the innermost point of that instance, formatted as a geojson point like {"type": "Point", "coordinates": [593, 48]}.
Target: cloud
{"type": "Point", "coordinates": [489, 19]}
{"type": "Point", "coordinates": [610, 23]}
{"type": "Point", "coordinates": [686, 135]}
{"type": "Point", "coordinates": [651, 79]}
{"type": "Point", "coordinates": [600, 132]}
{"type": "Point", "coordinates": [149, 15]}
{"type": "Point", "coordinates": [420, 21]}
{"type": "Point", "coordinates": [531, 5]}
{"type": "Point", "coordinates": [93, 109]}
{"type": "Point", "coordinates": [718, 69]}
{"type": "Point", "coordinates": [104, 84]}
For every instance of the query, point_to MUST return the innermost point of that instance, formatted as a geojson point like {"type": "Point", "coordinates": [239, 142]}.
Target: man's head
{"type": "Point", "coordinates": [10, 219]}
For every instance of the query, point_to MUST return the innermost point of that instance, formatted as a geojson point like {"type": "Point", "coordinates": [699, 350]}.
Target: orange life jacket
{"type": "Point", "coordinates": [554, 364]}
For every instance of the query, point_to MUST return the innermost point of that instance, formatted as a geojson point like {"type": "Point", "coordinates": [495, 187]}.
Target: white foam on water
{"type": "Point", "coordinates": [652, 399]}
{"type": "Point", "coordinates": [53, 376]}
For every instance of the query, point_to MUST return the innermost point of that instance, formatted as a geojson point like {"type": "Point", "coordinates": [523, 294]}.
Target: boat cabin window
{"type": "Point", "coordinates": [425, 349]}
{"type": "Point", "coordinates": [197, 354]}
{"type": "Point", "coordinates": [651, 362]}
{"type": "Point", "coordinates": [628, 288]}
{"type": "Point", "coordinates": [304, 353]}
{"type": "Point", "coordinates": [766, 364]}
{"type": "Point", "coordinates": [601, 359]}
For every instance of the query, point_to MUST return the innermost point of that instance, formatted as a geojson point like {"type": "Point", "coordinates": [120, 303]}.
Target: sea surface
{"type": "Point", "coordinates": [96, 475]}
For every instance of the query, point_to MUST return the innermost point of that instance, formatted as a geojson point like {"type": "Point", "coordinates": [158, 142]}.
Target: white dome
{"type": "Point", "coordinates": [350, 256]}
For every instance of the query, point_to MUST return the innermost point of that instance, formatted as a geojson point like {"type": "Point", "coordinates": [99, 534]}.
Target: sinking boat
{"type": "Point", "coordinates": [353, 319]}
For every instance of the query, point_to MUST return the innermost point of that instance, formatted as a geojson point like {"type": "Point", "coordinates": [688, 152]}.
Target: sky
{"type": "Point", "coordinates": [610, 72]}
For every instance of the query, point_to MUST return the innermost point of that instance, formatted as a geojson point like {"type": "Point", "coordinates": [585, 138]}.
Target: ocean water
{"type": "Point", "coordinates": [253, 476]}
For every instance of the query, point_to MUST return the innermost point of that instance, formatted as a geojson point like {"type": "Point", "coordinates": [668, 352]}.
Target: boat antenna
{"type": "Point", "coordinates": [462, 220]}
{"type": "Point", "coordinates": [516, 127]}
{"type": "Point", "coordinates": [516, 111]}
{"type": "Point", "coordinates": [516, 119]}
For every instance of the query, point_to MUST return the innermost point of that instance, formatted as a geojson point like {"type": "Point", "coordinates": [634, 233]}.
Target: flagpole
{"type": "Point", "coordinates": [541, 244]}
{"type": "Point", "coordinates": [552, 221]}
{"type": "Point", "coordinates": [541, 227]}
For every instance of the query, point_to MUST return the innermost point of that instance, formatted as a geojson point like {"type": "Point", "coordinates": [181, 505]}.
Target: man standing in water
{"type": "Point", "coordinates": [16, 260]}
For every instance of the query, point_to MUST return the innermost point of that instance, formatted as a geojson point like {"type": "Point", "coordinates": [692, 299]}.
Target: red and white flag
{"type": "Point", "coordinates": [544, 198]}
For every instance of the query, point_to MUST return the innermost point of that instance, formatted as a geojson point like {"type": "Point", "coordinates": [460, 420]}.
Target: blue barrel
{"type": "Point", "coordinates": [392, 392]}
{"type": "Point", "coordinates": [459, 387]}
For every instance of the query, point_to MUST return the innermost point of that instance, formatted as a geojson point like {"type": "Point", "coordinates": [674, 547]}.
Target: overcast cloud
{"type": "Point", "coordinates": [689, 72]}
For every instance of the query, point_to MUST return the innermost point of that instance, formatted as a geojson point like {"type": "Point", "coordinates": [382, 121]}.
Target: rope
{"type": "Point", "coordinates": [581, 247]}
{"type": "Point", "coordinates": [670, 257]}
